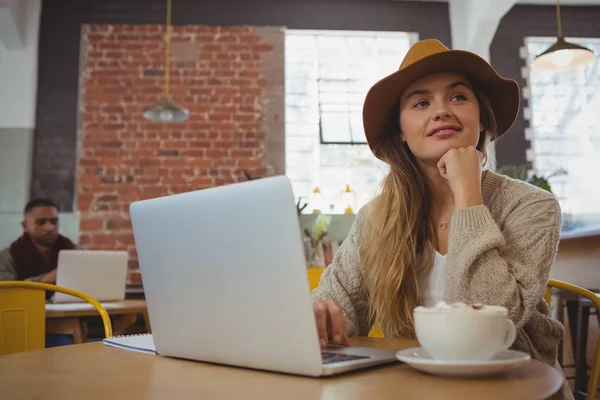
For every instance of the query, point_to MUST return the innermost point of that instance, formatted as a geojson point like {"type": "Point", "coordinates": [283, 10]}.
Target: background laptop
{"type": "Point", "coordinates": [100, 273]}
{"type": "Point", "coordinates": [225, 280]}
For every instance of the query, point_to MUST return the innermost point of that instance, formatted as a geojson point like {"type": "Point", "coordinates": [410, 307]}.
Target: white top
{"type": "Point", "coordinates": [431, 280]}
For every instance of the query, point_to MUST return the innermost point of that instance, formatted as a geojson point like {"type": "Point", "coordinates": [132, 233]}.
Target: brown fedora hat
{"type": "Point", "coordinates": [428, 57]}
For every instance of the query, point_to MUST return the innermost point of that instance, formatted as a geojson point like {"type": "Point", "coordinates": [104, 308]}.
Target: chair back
{"type": "Point", "coordinates": [595, 376]}
{"type": "Point", "coordinates": [22, 320]}
{"type": "Point", "coordinates": [23, 314]}
{"type": "Point", "coordinates": [314, 276]}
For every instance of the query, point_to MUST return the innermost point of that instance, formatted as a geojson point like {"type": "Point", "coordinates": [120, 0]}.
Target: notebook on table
{"type": "Point", "coordinates": [141, 343]}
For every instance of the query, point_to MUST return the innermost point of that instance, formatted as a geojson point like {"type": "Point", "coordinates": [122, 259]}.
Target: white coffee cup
{"type": "Point", "coordinates": [464, 333]}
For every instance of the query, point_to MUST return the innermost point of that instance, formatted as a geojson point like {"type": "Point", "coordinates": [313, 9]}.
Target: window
{"type": "Point", "coordinates": [565, 134]}
{"type": "Point", "coordinates": [327, 75]}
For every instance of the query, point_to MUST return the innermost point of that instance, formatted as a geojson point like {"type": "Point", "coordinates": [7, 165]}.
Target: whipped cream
{"type": "Point", "coordinates": [460, 307]}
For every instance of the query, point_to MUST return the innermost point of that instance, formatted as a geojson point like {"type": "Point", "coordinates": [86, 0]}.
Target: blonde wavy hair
{"type": "Point", "coordinates": [398, 227]}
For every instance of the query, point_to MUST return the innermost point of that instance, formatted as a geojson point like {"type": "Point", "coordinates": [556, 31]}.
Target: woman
{"type": "Point", "coordinates": [442, 228]}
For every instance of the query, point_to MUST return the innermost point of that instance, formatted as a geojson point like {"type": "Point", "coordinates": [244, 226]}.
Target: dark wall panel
{"type": "Point", "coordinates": [518, 23]}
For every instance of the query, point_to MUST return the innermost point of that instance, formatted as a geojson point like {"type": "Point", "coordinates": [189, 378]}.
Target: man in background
{"type": "Point", "coordinates": [34, 255]}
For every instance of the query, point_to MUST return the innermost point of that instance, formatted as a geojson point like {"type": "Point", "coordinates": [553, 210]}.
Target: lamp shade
{"type": "Point", "coordinates": [348, 198]}
{"type": "Point", "coordinates": [316, 200]}
{"type": "Point", "coordinates": [562, 56]}
{"type": "Point", "coordinates": [166, 110]}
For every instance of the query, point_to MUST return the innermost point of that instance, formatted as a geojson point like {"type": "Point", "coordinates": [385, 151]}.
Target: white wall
{"type": "Point", "coordinates": [473, 24]}
{"type": "Point", "coordinates": [18, 64]}
{"type": "Point", "coordinates": [18, 68]}
{"type": "Point", "coordinates": [15, 173]}
{"type": "Point", "coordinates": [19, 27]}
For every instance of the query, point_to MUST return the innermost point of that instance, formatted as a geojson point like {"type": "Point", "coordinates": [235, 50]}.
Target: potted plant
{"type": "Point", "coordinates": [315, 237]}
{"type": "Point", "coordinates": [534, 179]}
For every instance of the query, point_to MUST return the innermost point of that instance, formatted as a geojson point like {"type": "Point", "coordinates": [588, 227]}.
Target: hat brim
{"type": "Point", "coordinates": [503, 94]}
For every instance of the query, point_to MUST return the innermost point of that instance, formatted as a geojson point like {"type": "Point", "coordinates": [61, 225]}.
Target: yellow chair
{"type": "Point", "coordinates": [595, 376]}
{"type": "Point", "coordinates": [23, 314]}
{"type": "Point", "coordinates": [314, 276]}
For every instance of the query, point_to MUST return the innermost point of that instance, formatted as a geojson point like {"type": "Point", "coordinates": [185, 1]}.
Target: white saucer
{"type": "Point", "coordinates": [505, 360]}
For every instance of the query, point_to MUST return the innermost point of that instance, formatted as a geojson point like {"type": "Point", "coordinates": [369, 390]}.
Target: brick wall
{"type": "Point", "coordinates": [225, 76]}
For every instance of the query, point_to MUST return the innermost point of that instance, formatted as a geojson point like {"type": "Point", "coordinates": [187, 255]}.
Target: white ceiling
{"type": "Point", "coordinates": [544, 2]}
{"type": "Point", "coordinates": [562, 2]}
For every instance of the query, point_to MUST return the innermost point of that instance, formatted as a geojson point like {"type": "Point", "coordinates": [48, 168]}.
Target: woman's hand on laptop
{"type": "Point", "coordinates": [330, 324]}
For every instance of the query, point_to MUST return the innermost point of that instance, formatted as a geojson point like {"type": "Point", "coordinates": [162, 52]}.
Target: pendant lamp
{"type": "Point", "coordinates": [166, 110]}
{"type": "Point", "coordinates": [562, 55]}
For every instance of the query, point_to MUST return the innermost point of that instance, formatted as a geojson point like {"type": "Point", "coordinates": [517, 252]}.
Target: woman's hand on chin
{"type": "Point", "coordinates": [462, 168]}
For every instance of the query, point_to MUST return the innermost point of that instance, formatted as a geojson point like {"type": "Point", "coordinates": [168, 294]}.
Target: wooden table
{"type": "Point", "coordinates": [67, 318]}
{"type": "Point", "coordinates": [95, 371]}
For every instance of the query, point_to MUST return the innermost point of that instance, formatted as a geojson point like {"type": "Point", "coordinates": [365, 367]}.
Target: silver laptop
{"type": "Point", "coordinates": [225, 281]}
{"type": "Point", "coordinates": [100, 273]}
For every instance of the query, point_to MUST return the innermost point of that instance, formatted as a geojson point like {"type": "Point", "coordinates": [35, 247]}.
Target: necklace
{"type": "Point", "coordinates": [444, 225]}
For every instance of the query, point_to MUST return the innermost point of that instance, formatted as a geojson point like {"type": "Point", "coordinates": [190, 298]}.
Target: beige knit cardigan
{"type": "Point", "coordinates": [499, 253]}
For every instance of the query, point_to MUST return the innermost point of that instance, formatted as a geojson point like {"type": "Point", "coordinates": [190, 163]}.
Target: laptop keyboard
{"type": "Point", "coordinates": [330, 358]}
